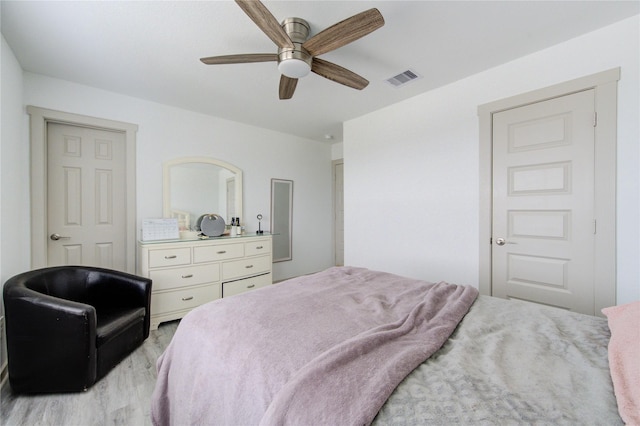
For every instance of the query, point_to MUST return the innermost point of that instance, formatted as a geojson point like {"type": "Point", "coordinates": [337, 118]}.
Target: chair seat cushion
{"type": "Point", "coordinates": [112, 322]}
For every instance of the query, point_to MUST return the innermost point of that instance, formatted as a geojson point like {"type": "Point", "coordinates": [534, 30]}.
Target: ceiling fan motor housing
{"type": "Point", "coordinates": [296, 62]}
{"type": "Point", "coordinates": [296, 28]}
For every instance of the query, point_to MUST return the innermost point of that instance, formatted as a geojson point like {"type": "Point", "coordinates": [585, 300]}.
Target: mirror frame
{"type": "Point", "coordinates": [166, 180]}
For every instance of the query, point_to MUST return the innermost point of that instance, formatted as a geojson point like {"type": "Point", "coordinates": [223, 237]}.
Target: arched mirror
{"type": "Point", "coordinates": [194, 186]}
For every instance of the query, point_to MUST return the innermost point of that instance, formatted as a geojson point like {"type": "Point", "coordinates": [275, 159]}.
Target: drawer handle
{"type": "Point", "coordinates": [249, 266]}
{"type": "Point", "coordinates": [188, 276]}
{"type": "Point", "coordinates": [170, 257]}
{"type": "Point", "coordinates": [259, 248]}
{"type": "Point", "coordinates": [187, 298]}
{"type": "Point", "coordinates": [251, 286]}
{"type": "Point", "coordinates": [222, 252]}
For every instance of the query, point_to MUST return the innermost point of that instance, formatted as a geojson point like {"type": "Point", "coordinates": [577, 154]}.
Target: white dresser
{"type": "Point", "coordinates": [186, 274]}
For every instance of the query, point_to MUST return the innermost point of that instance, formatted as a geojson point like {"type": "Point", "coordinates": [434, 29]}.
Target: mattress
{"type": "Point", "coordinates": [286, 355]}
{"type": "Point", "coordinates": [512, 362]}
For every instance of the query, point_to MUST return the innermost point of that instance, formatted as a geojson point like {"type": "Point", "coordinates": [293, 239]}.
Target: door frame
{"type": "Point", "coordinates": [334, 164]}
{"type": "Point", "coordinates": [39, 118]}
{"type": "Point", "coordinates": [605, 85]}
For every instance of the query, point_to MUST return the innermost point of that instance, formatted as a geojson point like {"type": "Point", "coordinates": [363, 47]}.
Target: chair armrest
{"type": "Point", "coordinates": [62, 339]}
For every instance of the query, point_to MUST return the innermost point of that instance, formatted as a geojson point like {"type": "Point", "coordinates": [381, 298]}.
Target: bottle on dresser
{"type": "Point", "coordinates": [238, 227]}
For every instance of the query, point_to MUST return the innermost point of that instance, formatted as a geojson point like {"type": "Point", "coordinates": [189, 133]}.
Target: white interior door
{"type": "Point", "coordinates": [86, 197]}
{"type": "Point", "coordinates": [543, 203]}
{"type": "Point", "coordinates": [338, 193]}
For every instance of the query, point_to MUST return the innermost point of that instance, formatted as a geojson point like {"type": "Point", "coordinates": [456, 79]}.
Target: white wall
{"type": "Point", "coordinates": [14, 224]}
{"type": "Point", "coordinates": [165, 133]}
{"type": "Point", "coordinates": [411, 170]}
{"type": "Point", "coordinates": [14, 221]}
{"type": "Point", "coordinates": [337, 151]}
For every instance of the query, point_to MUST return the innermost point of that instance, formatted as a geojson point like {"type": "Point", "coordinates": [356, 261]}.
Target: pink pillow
{"type": "Point", "coordinates": [624, 358]}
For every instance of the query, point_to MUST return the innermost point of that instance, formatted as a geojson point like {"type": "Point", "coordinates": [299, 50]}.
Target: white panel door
{"type": "Point", "coordinates": [338, 193]}
{"type": "Point", "coordinates": [86, 197]}
{"type": "Point", "coordinates": [543, 205]}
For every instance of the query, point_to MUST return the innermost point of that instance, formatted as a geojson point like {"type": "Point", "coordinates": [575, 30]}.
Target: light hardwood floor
{"type": "Point", "coordinates": [122, 397]}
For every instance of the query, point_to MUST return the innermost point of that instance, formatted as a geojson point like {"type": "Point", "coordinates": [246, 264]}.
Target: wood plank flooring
{"type": "Point", "coordinates": [122, 397]}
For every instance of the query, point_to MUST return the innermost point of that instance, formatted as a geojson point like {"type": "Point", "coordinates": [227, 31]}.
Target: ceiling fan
{"type": "Point", "coordinates": [297, 55]}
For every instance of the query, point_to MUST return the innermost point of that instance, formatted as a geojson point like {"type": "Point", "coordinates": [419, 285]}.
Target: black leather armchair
{"type": "Point", "coordinates": [68, 326]}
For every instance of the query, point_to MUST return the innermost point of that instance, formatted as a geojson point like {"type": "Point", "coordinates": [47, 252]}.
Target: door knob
{"type": "Point", "coordinates": [56, 237]}
{"type": "Point", "coordinates": [501, 241]}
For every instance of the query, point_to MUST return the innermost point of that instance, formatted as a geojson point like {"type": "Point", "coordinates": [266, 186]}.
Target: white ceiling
{"type": "Point", "coordinates": [151, 50]}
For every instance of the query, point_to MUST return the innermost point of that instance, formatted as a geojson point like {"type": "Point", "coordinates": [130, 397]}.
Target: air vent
{"type": "Point", "coordinates": [403, 78]}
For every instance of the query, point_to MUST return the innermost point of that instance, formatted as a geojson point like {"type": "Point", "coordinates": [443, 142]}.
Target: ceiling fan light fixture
{"type": "Point", "coordinates": [294, 68]}
{"type": "Point", "coordinates": [294, 63]}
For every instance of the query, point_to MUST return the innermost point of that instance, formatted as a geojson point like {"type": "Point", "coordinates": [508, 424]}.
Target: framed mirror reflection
{"type": "Point", "coordinates": [193, 186]}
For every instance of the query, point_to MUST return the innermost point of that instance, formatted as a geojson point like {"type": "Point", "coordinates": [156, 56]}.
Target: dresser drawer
{"type": "Point", "coordinates": [237, 287]}
{"type": "Point", "coordinates": [242, 268]}
{"type": "Point", "coordinates": [217, 252]}
{"type": "Point", "coordinates": [169, 257]}
{"type": "Point", "coordinates": [255, 248]}
{"type": "Point", "coordinates": [189, 298]}
{"type": "Point", "coordinates": [164, 279]}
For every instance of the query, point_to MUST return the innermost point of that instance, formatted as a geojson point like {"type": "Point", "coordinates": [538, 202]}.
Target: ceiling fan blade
{"type": "Point", "coordinates": [240, 59]}
{"type": "Point", "coordinates": [266, 21]}
{"type": "Point", "coordinates": [287, 86]}
{"type": "Point", "coordinates": [338, 74]}
{"type": "Point", "coordinates": [344, 32]}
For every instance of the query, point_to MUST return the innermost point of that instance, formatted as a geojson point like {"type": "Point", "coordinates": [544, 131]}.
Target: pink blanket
{"type": "Point", "coordinates": [328, 348]}
{"type": "Point", "coordinates": [624, 358]}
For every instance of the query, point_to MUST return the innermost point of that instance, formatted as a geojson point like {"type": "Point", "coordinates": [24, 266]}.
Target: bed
{"type": "Point", "coordinates": [351, 346]}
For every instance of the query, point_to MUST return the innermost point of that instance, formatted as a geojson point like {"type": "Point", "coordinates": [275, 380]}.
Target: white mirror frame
{"type": "Point", "coordinates": [166, 181]}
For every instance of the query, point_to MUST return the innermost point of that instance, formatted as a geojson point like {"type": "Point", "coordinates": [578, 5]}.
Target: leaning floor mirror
{"type": "Point", "coordinates": [281, 218]}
